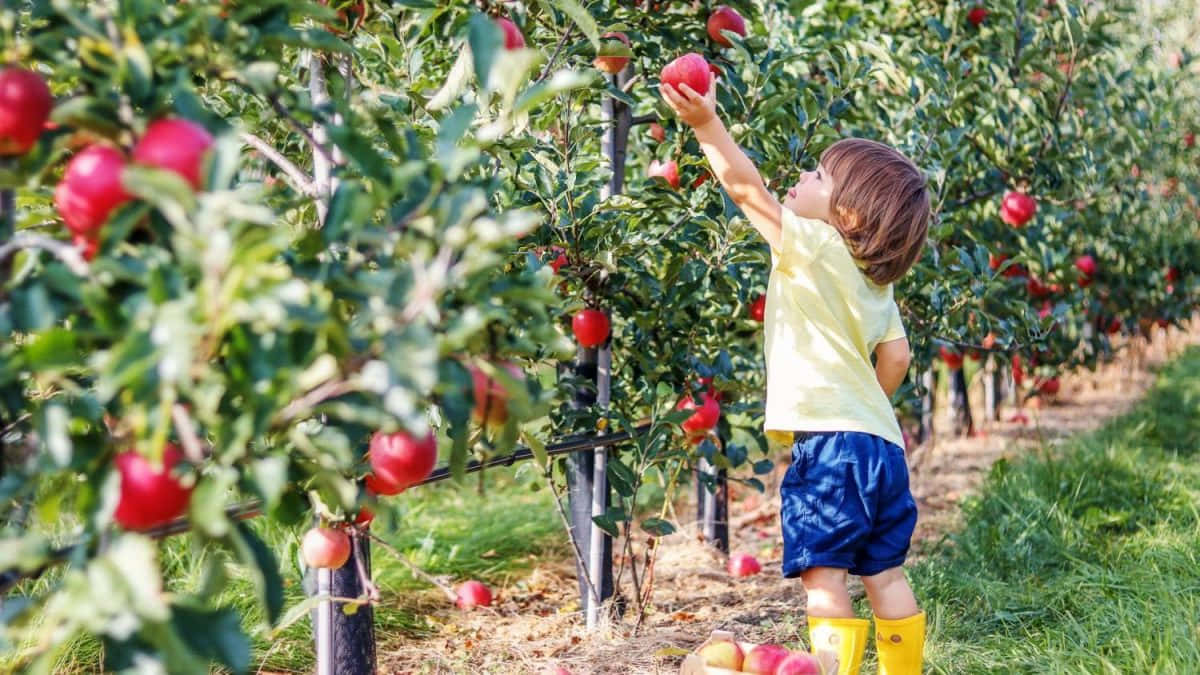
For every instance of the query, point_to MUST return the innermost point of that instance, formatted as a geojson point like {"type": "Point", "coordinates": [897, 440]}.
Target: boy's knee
{"type": "Point", "coordinates": [884, 579]}
{"type": "Point", "coordinates": [823, 578]}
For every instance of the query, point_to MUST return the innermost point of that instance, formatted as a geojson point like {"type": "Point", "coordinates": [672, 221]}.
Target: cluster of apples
{"type": "Point", "coordinates": [764, 659]}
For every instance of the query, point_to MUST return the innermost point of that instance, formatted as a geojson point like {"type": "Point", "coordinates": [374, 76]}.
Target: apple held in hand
{"type": "Point", "coordinates": [722, 654]}
{"type": "Point", "coordinates": [150, 495]}
{"type": "Point", "coordinates": [401, 460]}
{"type": "Point", "coordinates": [176, 145]}
{"type": "Point", "coordinates": [1017, 208]}
{"type": "Point", "coordinates": [668, 171]}
{"type": "Point", "coordinates": [472, 594]}
{"type": "Point", "coordinates": [690, 69]}
{"type": "Point", "coordinates": [725, 18]}
{"type": "Point", "coordinates": [25, 103]}
{"type": "Point", "coordinates": [591, 327]}
{"type": "Point", "coordinates": [325, 548]}
{"type": "Point", "coordinates": [743, 565]}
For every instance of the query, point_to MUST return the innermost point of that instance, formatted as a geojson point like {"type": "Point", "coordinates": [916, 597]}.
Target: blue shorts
{"type": "Point", "coordinates": [845, 504]}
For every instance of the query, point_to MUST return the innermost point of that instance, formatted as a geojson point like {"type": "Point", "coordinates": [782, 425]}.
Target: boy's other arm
{"type": "Point", "coordinates": [891, 364]}
{"type": "Point", "coordinates": [741, 180]}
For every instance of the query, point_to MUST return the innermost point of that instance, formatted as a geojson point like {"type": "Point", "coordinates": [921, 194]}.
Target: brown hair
{"type": "Point", "coordinates": [880, 206]}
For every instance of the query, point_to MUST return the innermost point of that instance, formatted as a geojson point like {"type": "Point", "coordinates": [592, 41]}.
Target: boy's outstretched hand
{"type": "Point", "coordinates": [695, 110]}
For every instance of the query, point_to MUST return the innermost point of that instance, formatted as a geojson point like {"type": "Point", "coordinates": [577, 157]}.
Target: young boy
{"type": "Point", "coordinates": [842, 235]}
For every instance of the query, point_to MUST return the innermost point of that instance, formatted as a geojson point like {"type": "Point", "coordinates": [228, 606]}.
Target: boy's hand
{"type": "Point", "coordinates": [695, 110]}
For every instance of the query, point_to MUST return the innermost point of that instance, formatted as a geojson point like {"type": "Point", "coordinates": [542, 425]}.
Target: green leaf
{"type": "Point", "coordinates": [214, 634]}
{"type": "Point", "coordinates": [485, 38]}
{"type": "Point", "coordinates": [563, 80]}
{"type": "Point", "coordinates": [658, 527]}
{"type": "Point", "coordinates": [579, 15]}
{"type": "Point", "coordinates": [263, 568]}
{"type": "Point", "coordinates": [207, 506]}
{"type": "Point", "coordinates": [53, 349]}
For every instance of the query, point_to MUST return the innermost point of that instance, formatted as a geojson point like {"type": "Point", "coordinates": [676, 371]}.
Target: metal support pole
{"type": "Point", "coordinates": [345, 643]}
{"type": "Point", "coordinates": [712, 506]}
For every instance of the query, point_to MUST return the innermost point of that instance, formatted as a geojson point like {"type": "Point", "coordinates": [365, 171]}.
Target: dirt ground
{"type": "Point", "coordinates": [536, 624]}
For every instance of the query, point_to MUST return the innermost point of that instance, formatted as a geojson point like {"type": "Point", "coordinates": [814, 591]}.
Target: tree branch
{"type": "Point", "coordinates": [300, 180]}
{"type": "Point", "coordinates": [68, 254]}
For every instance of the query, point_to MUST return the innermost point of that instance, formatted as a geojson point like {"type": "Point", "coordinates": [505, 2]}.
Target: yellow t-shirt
{"type": "Point", "coordinates": [824, 318]}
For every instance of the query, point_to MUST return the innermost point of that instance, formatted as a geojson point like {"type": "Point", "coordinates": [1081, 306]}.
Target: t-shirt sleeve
{"type": "Point", "coordinates": [801, 238]}
{"type": "Point", "coordinates": [895, 327]}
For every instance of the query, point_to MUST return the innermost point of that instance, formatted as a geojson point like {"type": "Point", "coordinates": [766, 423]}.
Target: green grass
{"type": "Point", "coordinates": [1081, 558]}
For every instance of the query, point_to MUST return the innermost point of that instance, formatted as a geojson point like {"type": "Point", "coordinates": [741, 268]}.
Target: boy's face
{"type": "Point", "coordinates": [811, 196]}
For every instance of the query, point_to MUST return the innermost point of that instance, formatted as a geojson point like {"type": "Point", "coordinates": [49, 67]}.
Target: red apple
{"type": "Point", "coordinates": [559, 262]}
{"type": "Point", "coordinates": [764, 659]}
{"type": "Point", "coordinates": [176, 145]}
{"type": "Point", "coordinates": [1017, 208]}
{"type": "Point", "coordinates": [150, 495]}
{"type": "Point", "coordinates": [1086, 265]}
{"type": "Point", "coordinates": [591, 328]}
{"type": "Point", "coordinates": [325, 548]}
{"type": "Point", "coordinates": [1036, 288]}
{"type": "Point", "coordinates": [668, 171]}
{"type": "Point", "coordinates": [722, 654]}
{"type": "Point", "coordinates": [989, 341]}
{"type": "Point", "coordinates": [491, 398]}
{"type": "Point", "coordinates": [743, 565]}
{"type": "Point", "coordinates": [690, 69]}
{"type": "Point", "coordinates": [1114, 326]}
{"type": "Point", "coordinates": [657, 132]}
{"type": "Point", "coordinates": [953, 358]}
{"type": "Point", "coordinates": [87, 243]}
{"type": "Point", "coordinates": [1046, 310]}
{"type": "Point", "coordinates": [758, 308]}
{"type": "Point", "coordinates": [555, 670]}
{"type": "Point", "coordinates": [91, 188]}
{"type": "Point", "coordinates": [612, 63]}
{"type": "Point", "coordinates": [977, 15]}
{"type": "Point", "coordinates": [1018, 372]}
{"type": "Point", "coordinates": [1172, 274]}
{"type": "Point", "coordinates": [1049, 386]}
{"type": "Point", "coordinates": [381, 487]}
{"type": "Point", "coordinates": [364, 517]}
{"type": "Point", "coordinates": [706, 416]}
{"type": "Point", "coordinates": [799, 663]}
{"type": "Point", "coordinates": [473, 594]}
{"type": "Point", "coordinates": [1189, 140]}
{"type": "Point", "coordinates": [512, 35]}
{"type": "Point", "coordinates": [400, 460]}
{"type": "Point", "coordinates": [725, 18]}
{"type": "Point", "coordinates": [25, 104]}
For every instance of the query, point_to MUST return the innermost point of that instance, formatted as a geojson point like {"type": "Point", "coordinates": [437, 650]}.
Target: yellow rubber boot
{"type": "Point", "coordinates": [901, 644]}
{"type": "Point", "coordinates": [840, 638]}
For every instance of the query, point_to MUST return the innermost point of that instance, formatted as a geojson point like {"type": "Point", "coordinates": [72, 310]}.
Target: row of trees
{"type": "Point", "coordinates": [368, 217]}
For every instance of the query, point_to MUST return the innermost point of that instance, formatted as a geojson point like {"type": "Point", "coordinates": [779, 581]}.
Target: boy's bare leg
{"type": "Point", "coordinates": [827, 594]}
{"type": "Point", "coordinates": [890, 595]}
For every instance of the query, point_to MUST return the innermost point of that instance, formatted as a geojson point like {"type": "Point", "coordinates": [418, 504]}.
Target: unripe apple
{"type": "Point", "coordinates": [758, 308]}
{"type": "Point", "coordinates": [473, 594]}
{"type": "Point", "coordinates": [952, 358]}
{"type": "Point", "coordinates": [722, 654]}
{"type": "Point", "coordinates": [799, 663]}
{"type": "Point", "coordinates": [591, 328]}
{"type": "Point", "coordinates": [325, 548]}
{"type": "Point", "coordinates": [657, 132]}
{"type": "Point", "coordinates": [400, 460]}
{"type": "Point", "coordinates": [491, 398]}
{"type": "Point", "coordinates": [725, 18]}
{"type": "Point", "coordinates": [176, 145]}
{"type": "Point", "coordinates": [1017, 208]}
{"type": "Point", "coordinates": [668, 171]}
{"type": "Point", "coordinates": [977, 15]}
{"type": "Point", "coordinates": [690, 69]}
{"type": "Point", "coordinates": [612, 63]}
{"type": "Point", "coordinates": [764, 659]}
{"type": "Point", "coordinates": [25, 104]}
{"type": "Point", "coordinates": [743, 565]}
{"type": "Point", "coordinates": [512, 35]}
{"type": "Point", "coordinates": [707, 414]}
{"type": "Point", "coordinates": [150, 495]}
{"type": "Point", "coordinates": [91, 188]}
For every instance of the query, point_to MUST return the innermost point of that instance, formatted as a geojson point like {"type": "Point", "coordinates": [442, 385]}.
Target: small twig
{"type": "Point", "coordinates": [417, 571]}
{"type": "Point", "coordinates": [69, 255]}
{"type": "Point", "coordinates": [300, 180]}
{"type": "Point", "coordinates": [562, 514]}
{"type": "Point", "coordinates": [322, 393]}
{"type": "Point", "coordinates": [357, 541]}
{"type": "Point", "coordinates": [187, 434]}
{"type": "Point", "coordinates": [554, 56]}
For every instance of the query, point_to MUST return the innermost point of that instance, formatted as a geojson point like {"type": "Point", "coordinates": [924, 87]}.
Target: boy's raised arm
{"type": "Point", "coordinates": [730, 165]}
